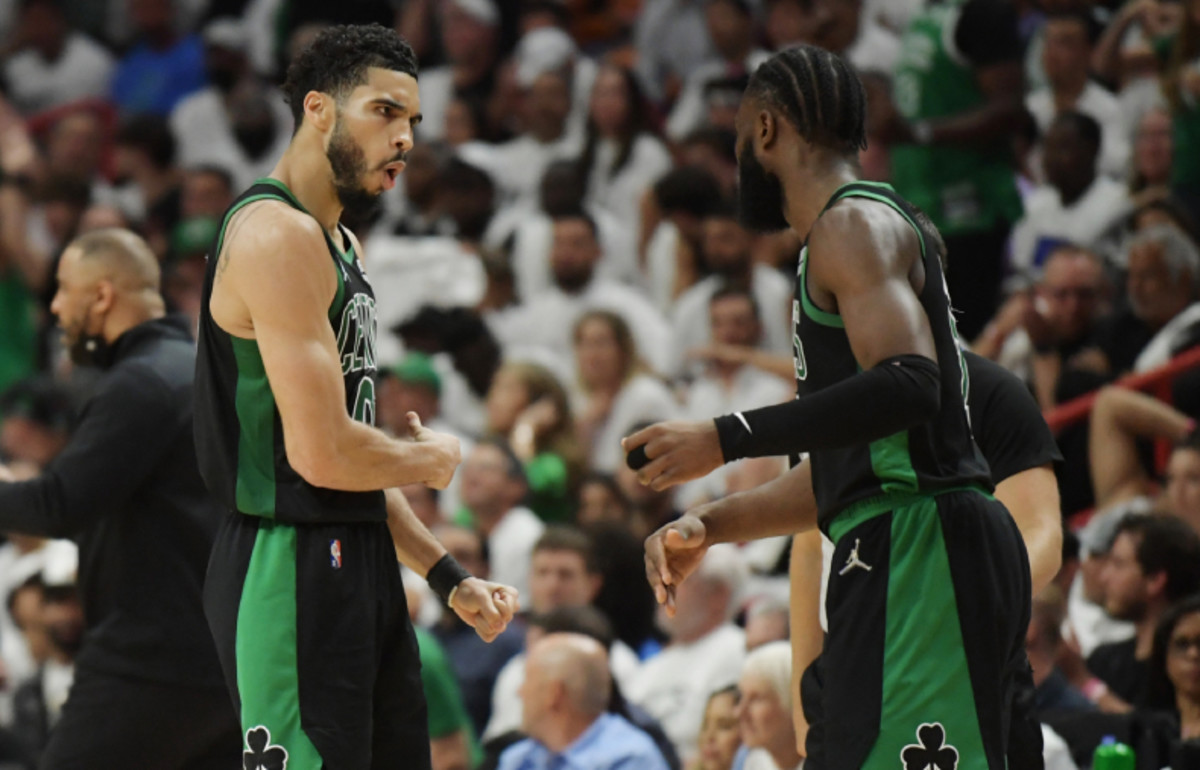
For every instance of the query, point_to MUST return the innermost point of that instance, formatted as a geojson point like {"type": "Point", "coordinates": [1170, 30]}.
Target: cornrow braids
{"type": "Point", "coordinates": [818, 92]}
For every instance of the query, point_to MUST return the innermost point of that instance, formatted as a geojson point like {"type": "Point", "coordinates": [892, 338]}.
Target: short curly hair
{"type": "Point", "coordinates": [338, 58]}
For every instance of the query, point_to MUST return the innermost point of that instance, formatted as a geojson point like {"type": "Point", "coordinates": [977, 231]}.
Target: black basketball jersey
{"type": "Point", "coordinates": [937, 455]}
{"type": "Point", "coordinates": [239, 434]}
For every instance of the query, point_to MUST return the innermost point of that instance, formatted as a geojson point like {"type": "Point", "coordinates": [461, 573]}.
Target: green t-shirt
{"type": "Point", "coordinates": [549, 498]}
{"type": "Point", "coordinates": [548, 490]}
{"type": "Point", "coordinates": [963, 190]}
{"type": "Point", "coordinates": [18, 343]}
{"type": "Point", "coordinates": [447, 714]}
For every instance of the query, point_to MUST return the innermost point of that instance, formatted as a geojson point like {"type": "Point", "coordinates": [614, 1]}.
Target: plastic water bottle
{"type": "Point", "coordinates": [1111, 755]}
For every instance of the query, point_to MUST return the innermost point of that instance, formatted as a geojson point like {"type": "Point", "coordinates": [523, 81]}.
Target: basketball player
{"type": "Point", "coordinates": [923, 647]}
{"type": "Point", "coordinates": [303, 592]}
{"type": "Point", "coordinates": [1019, 448]}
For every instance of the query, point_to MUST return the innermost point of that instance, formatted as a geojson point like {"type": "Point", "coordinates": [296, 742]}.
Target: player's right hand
{"type": "Point", "coordinates": [672, 554]}
{"type": "Point", "coordinates": [445, 451]}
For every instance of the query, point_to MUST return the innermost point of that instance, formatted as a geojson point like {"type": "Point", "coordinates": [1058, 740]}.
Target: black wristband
{"type": "Point", "coordinates": [445, 576]}
{"type": "Point", "coordinates": [731, 432]}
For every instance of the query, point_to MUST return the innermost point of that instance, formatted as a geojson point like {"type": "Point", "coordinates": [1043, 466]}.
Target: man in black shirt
{"type": "Point", "coordinates": [1154, 562]}
{"type": "Point", "coordinates": [148, 690]}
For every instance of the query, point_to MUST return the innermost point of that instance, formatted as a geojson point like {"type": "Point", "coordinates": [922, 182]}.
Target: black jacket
{"type": "Point", "coordinates": [128, 491]}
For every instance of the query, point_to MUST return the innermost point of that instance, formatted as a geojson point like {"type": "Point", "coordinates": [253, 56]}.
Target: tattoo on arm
{"type": "Point", "coordinates": [235, 226]}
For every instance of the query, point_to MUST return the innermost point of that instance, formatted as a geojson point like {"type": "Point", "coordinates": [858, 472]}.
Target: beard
{"type": "Point", "coordinates": [349, 166]}
{"type": "Point", "coordinates": [573, 279]}
{"type": "Point", "coordinates": [760, 195]}
{"type": "Point", "coordinates": [86, 349]}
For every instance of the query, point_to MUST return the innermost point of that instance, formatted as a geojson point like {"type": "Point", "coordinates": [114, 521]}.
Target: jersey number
{"type": "Point", "coordinates": [797, 345]}
{"type": "Point", "coordinates": [364, 402]}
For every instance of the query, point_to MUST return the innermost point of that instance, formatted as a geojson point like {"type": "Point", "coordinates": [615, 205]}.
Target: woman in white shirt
{"type": "Point", "coordinates": [613, 392]}
{"type": "Point", "coordinates": [622, 157]}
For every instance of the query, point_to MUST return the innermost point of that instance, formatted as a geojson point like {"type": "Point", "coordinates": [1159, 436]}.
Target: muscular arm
{"type": "Point", "coordinates": [1031, 496]}
{"type": "Point", "coordinates": [1119, 418]}
{"type": "Point", "coordinates": [860, 260]}
{"type": "Point", "coordinates": [275, 284]}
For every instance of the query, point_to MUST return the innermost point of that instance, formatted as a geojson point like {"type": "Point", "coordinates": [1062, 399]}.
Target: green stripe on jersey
{"type": "Point", "coordinates": [267, 677]}
{"type": "Point", "coordinates": [255, 405]}
{"type": "Point", "coordinates": [823, 317]}
{"type": "Point", "coordinates": [925, 675]}
{"type": "Point", "coordinates": [893, 465]}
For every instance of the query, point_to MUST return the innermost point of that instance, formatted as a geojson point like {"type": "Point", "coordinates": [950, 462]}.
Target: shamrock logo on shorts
{"type": "Point", "coordinates": [262, 755]}
{"type": "Point", "coordinates": [931, 752]}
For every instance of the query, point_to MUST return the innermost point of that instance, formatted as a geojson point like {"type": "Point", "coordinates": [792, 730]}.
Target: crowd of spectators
{"type": "Point", "coordinates": [561, 263]}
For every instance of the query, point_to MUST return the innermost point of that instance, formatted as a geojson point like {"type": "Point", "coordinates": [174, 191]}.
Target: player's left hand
{"type": "Point", "coordinates": [486, 607]}
{"type": "Point", "coordinates": [678, 451]}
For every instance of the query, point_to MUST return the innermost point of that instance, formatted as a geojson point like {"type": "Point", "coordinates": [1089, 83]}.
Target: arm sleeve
{"type": "Point", "coordinates": [1006, 421]}
{"type": "Point", "coordinates": [987, 32]}
{"type": "Point", "coordinates": [891, 396]}
{"type": "Point", "coordinates": [121, 436]}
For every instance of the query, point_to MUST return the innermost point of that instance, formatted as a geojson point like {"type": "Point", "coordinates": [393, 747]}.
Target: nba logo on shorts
{"type": "Point", "coordinates": [335, 554]}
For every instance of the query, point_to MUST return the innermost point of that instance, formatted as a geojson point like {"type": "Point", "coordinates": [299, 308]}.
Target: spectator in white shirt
{"type": "Point", "coordinates": [493, 486]}
{"type": "Point", "coordinates": [672, 40]}
{"type": "Point", "coordinates": [726, 252]}
{"type": "Point", "coordinates": [547, 320]}
{"type": "Point", "coordinates": [55, 64]}
{"type": "Point", "coordinates": [517, 166]}
{"type": "Point", "coordinates": [726, 386]}
{"type": "Point", "coordinates": [471, 40]}
{"type": "Point", "coordinates": [731, 29]}
{"type": "Point", "coordinates": [705, 652]}
{"type": "Point", "coordinates": [1076, 204]}
{"type": "Point", "coordinates": [531, 233]}
{"type": "Point", "coordinates": [1066, 57]}
{"type": "Point", "coordinates": [621, 156]}
{"type": "Point", "coordinates": [237, 122]}
{"type": "Point", "coordinates": [677, 206]}
{"type": "Point", "coordinates": [614, 392]}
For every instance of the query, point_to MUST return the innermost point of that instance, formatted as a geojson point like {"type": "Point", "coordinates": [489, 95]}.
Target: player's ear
{"type": "Point", "coordinates": [766, 128]}
{"type": "Point", "coordinates": [320, 109]}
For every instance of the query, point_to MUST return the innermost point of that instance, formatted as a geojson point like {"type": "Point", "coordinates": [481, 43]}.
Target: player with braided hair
{"type": "Point", "coordinates": [929, 595]}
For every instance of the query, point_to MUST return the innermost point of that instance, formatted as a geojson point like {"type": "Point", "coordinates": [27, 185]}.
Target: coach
{"type": "Point", "coordinates": [148, 691]}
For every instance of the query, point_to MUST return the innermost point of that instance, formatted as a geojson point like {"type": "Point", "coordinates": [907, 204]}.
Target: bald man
{"type": "Point", "coordinates": [565, 696]}
{"type": "Point", "coordinates": [148, 690]}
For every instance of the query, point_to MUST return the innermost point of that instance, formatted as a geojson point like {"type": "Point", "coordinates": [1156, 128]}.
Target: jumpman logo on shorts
{"type": "Point", "coordinates": [854, 561]}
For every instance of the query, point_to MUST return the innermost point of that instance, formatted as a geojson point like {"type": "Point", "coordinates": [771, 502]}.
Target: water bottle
{"type": "Point", "coordinates": [1111, 755]}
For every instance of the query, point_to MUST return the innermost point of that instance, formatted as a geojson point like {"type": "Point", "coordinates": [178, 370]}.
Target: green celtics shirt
{"type": "Point", "coordinates": [962, 189]}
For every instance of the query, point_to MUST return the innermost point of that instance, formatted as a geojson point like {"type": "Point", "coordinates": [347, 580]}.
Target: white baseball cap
{"type": "Point", "coordinates": [482, 11]}
{"type": "Point", "coordinates": [543, 50]}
